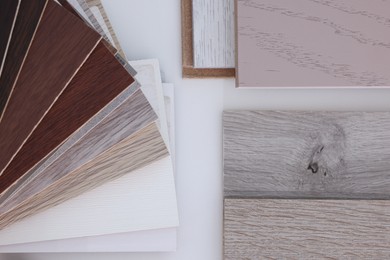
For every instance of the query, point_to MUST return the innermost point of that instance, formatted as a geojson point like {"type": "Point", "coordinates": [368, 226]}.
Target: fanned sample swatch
{"type": "Point", "coordinates": [306, 229]}
{"type": "Point", "coordinates": [297, 154]}
{"type": "Point", "coordinates": [312, 43]}
{"type": "Point", "coordinates": [40, 83]}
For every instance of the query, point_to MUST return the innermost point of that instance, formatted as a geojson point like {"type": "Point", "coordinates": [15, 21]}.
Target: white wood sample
{"type": "Point", "coordinates": [213, 34]}
{"type": "Point", "coordinates": [142, 200]}
{"type": "Point", "coordinates": [169, 100]}
{"type": "Point", "coordinates": [157, 240]}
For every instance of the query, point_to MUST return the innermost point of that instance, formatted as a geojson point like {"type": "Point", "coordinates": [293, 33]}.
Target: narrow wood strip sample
{"type": "Point", "coordinates": [306, 229]}
{"type": "Point", "coordinates": [49, 67]}
{"type": "Point", "coordinates": [298, 154]}
{"type": "Point", "coordinates": [130, 117]}
{"type": "Point", "coordinates": [136, 151]}
{"type": "Point", "coordinates": [313, 43]}
{"type": "Point", "coordinates": [100, 79]}
{"type": "Point", "coordinates": [214, 41]}
{"type": "Point", "coordinates": [26, 23]}
{"type": "Point", "coordinates": [188, 70]}
{"type": "Point", "coordinates": [8, 13]}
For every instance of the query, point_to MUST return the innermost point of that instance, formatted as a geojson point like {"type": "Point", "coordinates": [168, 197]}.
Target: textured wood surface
{"type": "Point", "coordinates": [134, 152]}
{"type": "Point", "coordinates": [130, 117]}
{"type": "Point", "coordinates": [8, 13]}
{"type": "Point", "coordinates": [26, 23]}
{"type": "Point", "coordinates": [61, 45]}
{"type": "Point", "coordinates": [213, 25]}
{"type": "Point", "coordinates": [307, 154]}
{"type": "Point", "coordinates": [313, 43]}
{"type": "Point", "coordinates": [100, 79]}
{"type": "Point", "coordinates": [306, 229]}
{"type": "Point", "coordinates": [187, 43]}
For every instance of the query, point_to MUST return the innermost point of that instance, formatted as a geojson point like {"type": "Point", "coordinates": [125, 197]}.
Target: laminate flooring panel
{"type": "Point", "coordinates": [99, 80]}
{"type": "Point", "coordinates": [155, 240]}
{"type": "Point", "coordinates": [8, 13]}
{"type": "Point", "coordinates": [129, 118]}
{"type": "Point", "coordinates": [134, 152]}
{"type": "Point", "coordinates": [306, 229]}
{"type": "Point", "coordinates": [27, 20]}
{"type": "Point", "coordinates": [313, 43]}
{"type": "Point", "coordinates": [49, 67]}
{"type": "Point", "coordinates": [297, 154]}
{"type": "Point", "coordinates": [141, 200]}
{"type": "Point", "coordinates": [213, 29]}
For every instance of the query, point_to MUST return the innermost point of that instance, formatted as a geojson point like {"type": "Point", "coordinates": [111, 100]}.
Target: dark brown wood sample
{"type": "Point", "coordinates": [29, 15]}
{"type": "Point", "coordinates": [99, 80]}
{"type": "Point", "coordinates": [8, 13]}
{"type": "Point", "coordinates": [61, 45]}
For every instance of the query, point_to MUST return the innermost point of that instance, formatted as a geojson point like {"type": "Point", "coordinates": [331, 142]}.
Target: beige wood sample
{"type": "Point", "coordinates": [306, 229]}
{"type": "Point", "coordinates": [307, 154]}
{"type": "Point", "coordinates": [136, 151]}
{"type": "Point", "coordinates": [313, 43]}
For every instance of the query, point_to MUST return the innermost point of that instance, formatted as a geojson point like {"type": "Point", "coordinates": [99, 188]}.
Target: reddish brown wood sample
{"type": "Point", "coordinates": [61, 45]}
{"type": "Point", "coordinates": [8, 13]}
{"type": "Point", "coordinates": [99, 80]}
{"type": "Point", "coordinates": [29, 15]}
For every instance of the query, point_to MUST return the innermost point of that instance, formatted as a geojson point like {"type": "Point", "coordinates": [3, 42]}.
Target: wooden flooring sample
{"type": "Point", "coordinates": [213, 24]}
{"type": "Point", "coordinates": [313, 43]}
{"type": "Point", "coordinates": [306, 229]}
{"type": "Point", "coordinates": [134, 152]}
{"type": "Point", "coordinates": [296, 154]}
{"type": "Point", "coordinates": [100, 79]}
{"type": "Point", "coordinates": [8, 13]}
{"type": "Point", "coordinates": [49, 67]}
{"type": "Point", "coordinates": [129, 118]}
{"type": "Point", "coordinates": [29, 15]}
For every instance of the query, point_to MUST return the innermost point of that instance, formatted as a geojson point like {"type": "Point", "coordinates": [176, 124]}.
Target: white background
{"type": "Point", "coordinates": [151, 29]}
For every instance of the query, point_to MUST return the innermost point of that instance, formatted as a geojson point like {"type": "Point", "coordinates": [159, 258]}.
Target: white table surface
{"type": "Point", "coordinates": [151, 29]}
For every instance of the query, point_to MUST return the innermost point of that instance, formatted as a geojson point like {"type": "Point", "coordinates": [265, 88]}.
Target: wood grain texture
{"type": "Point", "coordinates": [61, 45]}
{"type": "Point", "coordinates": [313, 43]}
{"type": "Point", "coordinates": [306, 229]}
{"type": "Point", "coordinates": [136, 151]}
{"type": "Point", "coordinates": [213, 25]}
{"type": "Point", "coordinates": [8, 13]}
{"type": "Point", "coordinates": [100, 79]}
{"type": "Point", "coordinates": [298, 154]}
{"type": "Point", "coordinates": [188, 70]}
{"type": "Point", "coordinates": [130, 117]}
{"type": "Point", "coordinates": [30, 13]}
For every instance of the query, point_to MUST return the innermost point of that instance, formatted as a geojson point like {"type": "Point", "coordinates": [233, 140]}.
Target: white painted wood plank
{"type": "Point", "coordinates": [213, 31]}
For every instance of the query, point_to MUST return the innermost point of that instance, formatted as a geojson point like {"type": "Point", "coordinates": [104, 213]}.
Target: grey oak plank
{"type": "Point", "coordinates": [127, 119]}
{"type": "Point", "coordinates": [306, 229]}
{"type": "Point", "coordinates": [132, 153]}
{"type": "Point", "coordinates": [312, 43]}
{"type": "Point", "coordinates": [296, 154]}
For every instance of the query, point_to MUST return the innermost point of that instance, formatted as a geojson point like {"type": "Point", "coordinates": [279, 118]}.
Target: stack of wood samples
{"type": "Point", "coordinates": [81, 129]}
{"type": "Point", "coordinates": [306, 185]}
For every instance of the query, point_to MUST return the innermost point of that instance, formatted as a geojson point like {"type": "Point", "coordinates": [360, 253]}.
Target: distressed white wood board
{"type": "Point", "coordinates": [157, 240]}
{"type": "Point", "coordinates": [148, 75]}
{"type": "Point", "coordinates": [213, 33]}
{"type": "Point", "coordinates": [169, 100]}
{"type": "Point", "coordinates": [313, 43]}
{"type": "Point", "coordinates": [142, 200]}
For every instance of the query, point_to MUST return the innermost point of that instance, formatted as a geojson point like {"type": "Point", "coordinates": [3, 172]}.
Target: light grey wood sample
{"type": "Point", "coordinates": [306, 229]}
{"type": "Point", "coordinates": [128, 118]}
{"type": "Point", "coordinates": [213, 28]}
{"type": "Point", "coordinates": [313, 43]}
{"type": "Point", "coordinates": [134, 152]}
{"type": "Point", "coordinates": [297, 154]}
